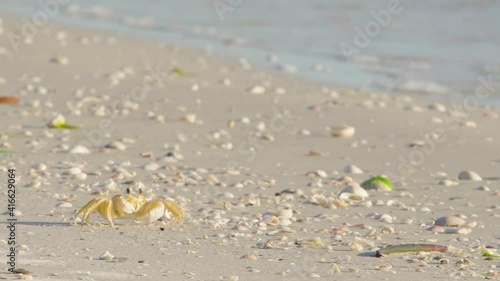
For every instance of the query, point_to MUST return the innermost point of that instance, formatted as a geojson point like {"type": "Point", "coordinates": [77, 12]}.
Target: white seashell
{"type": "Point", "coordinates": [447, 182]}
{"type": "Point", "coordinates": [226, 82]}
{"type": "Point", "coordinates": [189, 118]}
{"type": "Point", "coordinates": [469, 175]}
{"type": "Point", "coordinates": [257, 90]}
{"type": "Point", "coordinates": [437, 107]}
{"type": "Point", "coordinates": [60, 60]}
{"type": "Point", "coordinates": [364, 242]}
{"type": "Point", "coordinates": [343, 131]}
{"type": "Point", "coordinates": [151, 166]}
{"type": "Point", "coordinates": [355, 189]}
{"type": "Point", "coordinates": [80, 176]}
{"type": "Point", "coordinates": [64, 205]}
{"type": "Point", "coordinates": [106, 256]}
{"type": "Point", "coordinates": [285, 221]}
{"type": "Point", "coordinates": [17, 213]}
{"type": "Point", "coordinates": [355, 247]}
{"type": "Point", "coordinates": [73, 171]}
{"type": "Point", "coordinates": [321, 173]}
{"type": "Point", "coordinates": [117, 145]}
{"type": "Point", "coordinates": [449, 221]}
{"type": "Point", "coordinates": [286, 213]}
{"type": "Point", "coordinates": [351, 169]}
{"type": "Point", "coordinates": [271, 221]}
{"type": "Point", "coordinates": [386, 218]}
{"type": "Point", "coordinates": [483, 188]}
{"type": "Point", "coordinates": [79, 149]}
{"type": "Point", "coordinates": [456, 230]}
{"type": "Point", "coordinates": [288, 68]}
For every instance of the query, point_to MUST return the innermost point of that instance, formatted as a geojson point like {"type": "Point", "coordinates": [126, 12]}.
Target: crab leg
{"type": "Point", "coordinates": [175, 209]}
{"type": "Point", "coordinates": [102, 206]}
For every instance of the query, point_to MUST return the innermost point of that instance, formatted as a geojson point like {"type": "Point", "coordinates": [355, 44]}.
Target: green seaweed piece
{"type": "Point", "coordinates": [487, 253]}
{"type": "Point", "coordinates": [378, 182]}
{"type": "Point", "coordinates": [64, 126]}
{"type": "Point", "coordinates": [178, 72]}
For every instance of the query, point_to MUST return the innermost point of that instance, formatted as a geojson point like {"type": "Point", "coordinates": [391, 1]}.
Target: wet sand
{"type": "Point", "coordinates": [250, 157]}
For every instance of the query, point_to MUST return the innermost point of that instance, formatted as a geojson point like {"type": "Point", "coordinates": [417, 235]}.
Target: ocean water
{"type": "Point", "coordinates": [438, 48]}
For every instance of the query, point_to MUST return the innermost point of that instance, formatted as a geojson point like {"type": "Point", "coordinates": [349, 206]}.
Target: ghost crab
{"type": "Point", "coordinates": [133, 207]}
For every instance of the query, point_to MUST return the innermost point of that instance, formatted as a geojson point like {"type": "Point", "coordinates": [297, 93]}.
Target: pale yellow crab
{"type": "Point", "coordinates": [133, 207]}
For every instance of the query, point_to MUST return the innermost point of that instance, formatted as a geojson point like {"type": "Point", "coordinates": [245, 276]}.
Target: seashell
{"type": "Point", "coordinates": [271, 221]}
{"type": "Point", "coordinates": [106, 256]}
{"type": "Point", "coordinates": [449, 221]}
{"type": "Point", "coordinates": [483, 188]}
{"type": "Point", "coordinates": [257, 90]}
{"type": "Point", "coordinates": [339, 203]}
{"type": "Point", "coordinates": [286, 213]}
{"type": "Point", "coordinates": [447, 182]}
{"type": "Point", "coordinates": [151, 166]}
{"type": "Point", "coordinates": [355, 247]}
{"type": "Point", "coordinates": [436, 228]}
{"type": "Point", "coordinates": [60, 60]}
{"type": "Point", "coordinates": [351, 169]}
{"type": "Point", "coordinates": [249, 257]}
{"type": "Point", "coordinates": [383, 267]}
{"type": "Point", "coordinates": [116, 145]}
{"type": "Point", "coordinates": [321, 174]}
{"type": "Point", "coordinates": [73, 171]}
{"type": "Point", "coordinates": [64, 205]}
{"type": "Point", "coordinates": [343, 131]}
{"type": "Point", "coordinates": [189, 118]}
{"type": "Point", "coordinates": [285, 221]}
{"type": "Point", "coordinates": [364, 242]}
{"type": "Point", "coordinates": [457, 230]}
{"type": "Point", "coordinates": [288, 68]}
{"type": "Point", "coordinates": [469, 175]}
{"type": "Point", "coordinates": [386, 218]}
{"type": "Point", "coordinates": [79, 149]}
{"type": "Point", "coordinates": [437, 107]}
{"type": "Point", "coordinates": [355, 189]}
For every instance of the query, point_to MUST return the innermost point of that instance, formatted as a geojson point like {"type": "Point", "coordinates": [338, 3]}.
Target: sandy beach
{"type": "Point", "coordinates": [256, 159]}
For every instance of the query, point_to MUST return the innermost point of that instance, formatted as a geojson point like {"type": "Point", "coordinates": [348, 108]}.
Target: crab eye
{"type": "Point", "coordinates": [140, 191]}
{"type": "Point", "coordinates": [128, 190]}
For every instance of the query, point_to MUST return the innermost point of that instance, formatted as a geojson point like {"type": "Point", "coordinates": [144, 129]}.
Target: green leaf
{"type": "Point", "coordinates": [378, 182]}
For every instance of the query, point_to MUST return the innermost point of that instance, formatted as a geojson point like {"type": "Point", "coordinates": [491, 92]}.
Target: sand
{"type": "Point", "coordinates": [205, 141]}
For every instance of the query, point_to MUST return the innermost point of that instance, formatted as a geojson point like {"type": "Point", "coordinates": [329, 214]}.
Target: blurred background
{"type": "Point", "coordinates": [437, 48]}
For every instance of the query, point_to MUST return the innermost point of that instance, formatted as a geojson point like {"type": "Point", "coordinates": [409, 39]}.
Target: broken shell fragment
{"type": "Point", "coordinates": [106, 256]}
{"type": "Point", "coordinates": [343, 131]}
